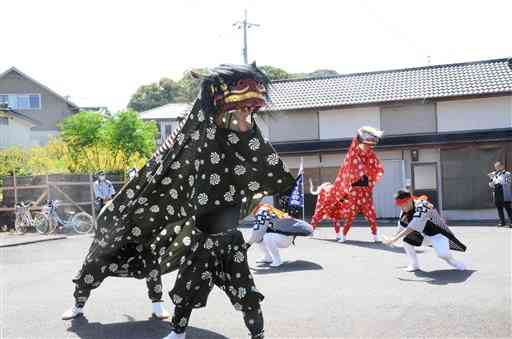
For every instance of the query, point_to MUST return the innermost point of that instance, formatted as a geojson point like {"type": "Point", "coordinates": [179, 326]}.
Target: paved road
{"type": "Point", "coordinates": [356, 289]}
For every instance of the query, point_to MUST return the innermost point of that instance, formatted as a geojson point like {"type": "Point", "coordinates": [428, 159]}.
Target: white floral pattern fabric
{"type": "Point", "coordinates": [195, 171]}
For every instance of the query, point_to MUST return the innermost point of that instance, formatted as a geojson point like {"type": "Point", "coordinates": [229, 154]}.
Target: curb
{"type": "Point", "coordinates": [33, 241]}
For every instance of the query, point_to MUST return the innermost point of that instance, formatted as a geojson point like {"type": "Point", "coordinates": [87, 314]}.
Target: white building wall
{"type": "Point", "coordinates": [293, 125]}
{"type": "Point", "coordinates": [333, 159]}
{"type": "Point", "coordinates": [474, 114]}
{"type": "Point", "coordinates": [343, 123]}
{"type": "Point", "coordinates": [16, 133]}
{"type": "Point", "coordinates": [310, 161]}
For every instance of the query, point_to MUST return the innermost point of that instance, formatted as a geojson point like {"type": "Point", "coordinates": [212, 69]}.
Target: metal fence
{"type": "Point", "coordinates": [74, 191]}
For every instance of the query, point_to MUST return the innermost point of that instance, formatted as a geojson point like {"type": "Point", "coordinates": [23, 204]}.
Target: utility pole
{"type": "Point", "coordinates": [244, 25]}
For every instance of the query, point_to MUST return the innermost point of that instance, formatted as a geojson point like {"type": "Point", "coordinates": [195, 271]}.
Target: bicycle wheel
{"type": "Point", "coordinates": [20, 224]}
{"type": "Point", "coordinates": [82, 223]}
{"type": "Point", "coordinates": [52, 224]}
{"type": "Point", "coordinates": [41, 223]}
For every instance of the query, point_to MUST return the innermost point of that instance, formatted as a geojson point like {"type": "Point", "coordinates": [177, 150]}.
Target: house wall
{"type": "Point", "coordinates": [474, 114]}
{"type": "Point", "coordinates": [53, 109]}
{"type": "Point", "coordinates": [16, 133]}
{"type": "Point", "coordinates": [443, 116]}
{"type": "Point", "coordinates": [41, 138]}
{"type": "Point", "coordinates": [343, 123]}
{"type": "Point", "coordinates": [293, 125]}
{"type": "Point", "coordinates": [408, 119]}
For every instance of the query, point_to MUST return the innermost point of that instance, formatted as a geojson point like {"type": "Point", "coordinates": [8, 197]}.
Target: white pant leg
{"type": "Point", "coordinates": [264, 249]}
{"type": "Point", "coordinates": [274, 241]}
{"type": "Point", "coordinates": [411, 253]}
{"type": "Point", "coordinates": [441, 245]}
{"type": "Point", "coordinates": [409, 250]}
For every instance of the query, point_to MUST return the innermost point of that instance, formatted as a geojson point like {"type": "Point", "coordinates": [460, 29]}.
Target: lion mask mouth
{"type": "Point", "coordinates": [247, 94]}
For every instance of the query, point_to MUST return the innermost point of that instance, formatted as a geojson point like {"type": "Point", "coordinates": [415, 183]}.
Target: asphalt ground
{"type": "Point", "coordinates": [324, 290]}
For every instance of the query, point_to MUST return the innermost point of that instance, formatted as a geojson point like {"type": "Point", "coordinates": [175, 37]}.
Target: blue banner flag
{"type": "Point", "coordinates": [296, 198]}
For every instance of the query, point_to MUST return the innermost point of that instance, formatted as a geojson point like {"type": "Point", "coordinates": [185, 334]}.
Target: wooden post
{"type": "Point", "coordinates": [48, 186]}
{"type": "Point", "coordinates": [15, 188]}
{"type": "Point", "coordinates": [91, 190]}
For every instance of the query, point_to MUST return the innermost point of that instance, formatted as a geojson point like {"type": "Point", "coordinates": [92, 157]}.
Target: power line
{"type": "Point", "coordinates": [244, 25]}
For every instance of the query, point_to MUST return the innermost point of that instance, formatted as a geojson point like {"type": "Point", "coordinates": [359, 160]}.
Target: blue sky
{"type": "Point", "coordinates": [99, 52]}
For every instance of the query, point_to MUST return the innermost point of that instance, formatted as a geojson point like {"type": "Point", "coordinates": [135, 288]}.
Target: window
{"type": "Point", "coordinates": [22, 101]}
{"type": "Point", "coordinates": [35, 101]}
{"type": "Point", "coordinates": [4, 121]}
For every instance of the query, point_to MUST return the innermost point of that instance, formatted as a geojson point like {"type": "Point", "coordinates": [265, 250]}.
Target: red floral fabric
{"type": "Point", "coordinates": [360, 200]}
{"type": "Point", "coordinates": [341, 200]}
{"type": "Point", "coordinates": [323, 209]}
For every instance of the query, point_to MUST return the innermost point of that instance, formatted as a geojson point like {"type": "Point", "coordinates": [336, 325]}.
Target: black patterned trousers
{"type": "Point", "coordinates": [94, 272]}
{"type": "Point", "coordinates": [216, 260]}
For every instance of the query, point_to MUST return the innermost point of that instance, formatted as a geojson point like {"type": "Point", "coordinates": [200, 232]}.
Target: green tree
{"type": "Point", "coordinates": [322, 73]}
{"type": "Point", "coordinates": [93, 142]}
{"type": "Point", "coordinates": [275, 73]}
{"type": "Point", "coordinates": [154, 95]}
{"type": "Point", "coordinates": [189, 86]}
{"type": "Point", "coordinates": [127, 133]}
{"type": "Point", "coordinates": [82, 133]}
{"type": "Point", "coordinates": [14, 159]}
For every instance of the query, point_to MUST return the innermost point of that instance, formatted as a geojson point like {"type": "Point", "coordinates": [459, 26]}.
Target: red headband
{"type": "Point", "coordinates": [403, 201]}
{"type": "Point", "coordinates": [409, 199]}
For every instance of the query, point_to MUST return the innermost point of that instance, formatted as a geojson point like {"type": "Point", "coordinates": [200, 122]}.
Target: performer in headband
{"type": "Point", "coordinates": [275, 229]}
{"type": "Point", "coordinates": [182, 210]}
{"type": "Point", "coordinates": [353, 188]}
{"type": "Point", "coordinates": [421, 224]}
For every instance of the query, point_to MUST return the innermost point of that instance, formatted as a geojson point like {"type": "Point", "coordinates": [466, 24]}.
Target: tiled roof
{"type": "Point", "coordinates": [169, 111]}
{"type": "Point", "coordinates": [441, 81]}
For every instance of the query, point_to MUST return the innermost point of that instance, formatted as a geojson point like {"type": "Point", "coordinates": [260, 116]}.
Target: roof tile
{"type": "Point", "coordinates": [440, 81]}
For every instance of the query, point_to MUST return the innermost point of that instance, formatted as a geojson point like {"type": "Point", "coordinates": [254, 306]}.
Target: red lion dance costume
{"type": "Point", "coordinates": [352, 191]}
{"type": "Point", "coordinates": [324, 210]}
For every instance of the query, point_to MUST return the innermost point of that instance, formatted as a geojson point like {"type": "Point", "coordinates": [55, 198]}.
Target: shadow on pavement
{"type": "Point", "coordinates": [441, 277]}
{"type": "Point", "coordinates": [288, 266]}
{"type": "Point", "coordinates": [369, 244]}
{"type": "Point", "coordinates": [149, 329]}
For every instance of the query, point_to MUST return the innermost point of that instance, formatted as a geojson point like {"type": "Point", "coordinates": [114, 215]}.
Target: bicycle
{"type": "Point", "coordinates": [24, 219]}
{"type": "Point", "coordinates": [81, 223]}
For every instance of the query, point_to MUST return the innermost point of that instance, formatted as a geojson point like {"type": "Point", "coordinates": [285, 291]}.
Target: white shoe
{"type": "Point", "coordinates": [338, 237]}
{"type": "Point", "coordinates": [72, 313]}
{"type": "Point", "coordinates": [341, 238]}
{"type": "Point", "coordinates": [159, 310]}
{"type": "Point", "coordinates": [459, 265]}
{"type": "Point", "coordinates": [375, 238]}
{"type": "Point", "coordinates": [173, 335]}
{"type": "Point", "coordinates": [412, 268]}
{"type": "Point", "coordinates": [276, 263]}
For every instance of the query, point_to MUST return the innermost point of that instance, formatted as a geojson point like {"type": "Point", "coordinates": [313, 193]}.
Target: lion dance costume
{"type": "Point", "coordinates": [352, 191]}
{"type": "Point", "coordinates": [323, 210]}
{"type": "Point", "coordinates": [181, 211]}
